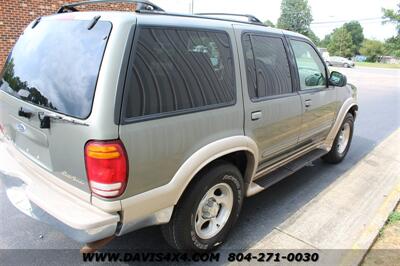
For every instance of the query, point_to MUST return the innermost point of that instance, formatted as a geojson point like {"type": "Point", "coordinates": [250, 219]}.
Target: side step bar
{"type": "Point", "coordinates": [288, 169]}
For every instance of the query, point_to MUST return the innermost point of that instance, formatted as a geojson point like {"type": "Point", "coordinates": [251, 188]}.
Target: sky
{"type": "Point", "coordinates": [327, 15]}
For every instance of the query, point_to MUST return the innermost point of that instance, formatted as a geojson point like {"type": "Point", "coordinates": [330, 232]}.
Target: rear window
{"type": "Point", "coordinates": [179, 70]}
{"type": "Point", "coordinates": [56, 64]}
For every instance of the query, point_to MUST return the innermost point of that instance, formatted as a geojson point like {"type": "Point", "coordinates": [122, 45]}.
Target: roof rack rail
{"type": "Point", "coordinates": [141, 5]}
{"type": "Point", "coordinates": [250, 18]}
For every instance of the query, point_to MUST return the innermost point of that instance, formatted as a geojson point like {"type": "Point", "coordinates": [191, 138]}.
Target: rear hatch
{"type": "Point", "coordinates": [52, 72]}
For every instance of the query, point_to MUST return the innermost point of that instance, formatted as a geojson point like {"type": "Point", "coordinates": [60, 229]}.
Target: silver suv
{"type": "Point", "coordinates": [116, 121]}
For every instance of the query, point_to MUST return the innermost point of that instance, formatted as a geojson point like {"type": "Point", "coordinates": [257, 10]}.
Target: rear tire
{"type": "Point", "coordinates": [342, 141]}
{"type": "Point", "coordinates": [207, 210]}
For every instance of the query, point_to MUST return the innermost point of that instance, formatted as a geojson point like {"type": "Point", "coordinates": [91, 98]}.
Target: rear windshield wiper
{"type": "Point", "coordinates": [36, 22]}
{"type": "Point", "coordinates": [45, 119]}
{"type": "Point", "coordinates": [93, 22]}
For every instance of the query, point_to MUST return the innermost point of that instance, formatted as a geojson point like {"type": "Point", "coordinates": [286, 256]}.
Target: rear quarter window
{"type": "Point", "coordinates": [178, 70]}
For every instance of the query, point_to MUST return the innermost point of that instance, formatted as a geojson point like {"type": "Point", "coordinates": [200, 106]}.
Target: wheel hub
{"type": "Point", "coordinates": [213, 211]}
{"type": "Point", "coordinates": [210, 209]}
{"type": "Point", "coordinates": [344, 137]}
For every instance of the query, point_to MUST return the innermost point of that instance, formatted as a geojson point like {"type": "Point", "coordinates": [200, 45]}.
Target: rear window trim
{"type": "Point", "coordinates": [95, 87]}
{"type": "Point", "coordinates": [119, 102]}
{"type": "Point", "coordinates": [130, 120]}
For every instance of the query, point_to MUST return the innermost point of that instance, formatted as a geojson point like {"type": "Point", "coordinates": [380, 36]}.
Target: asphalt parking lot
{"type": "Point", "coordinates": [378, 117]}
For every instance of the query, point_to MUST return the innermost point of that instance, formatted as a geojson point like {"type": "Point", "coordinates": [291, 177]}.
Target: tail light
{"type": "Point", "coordinates": [106, 167]}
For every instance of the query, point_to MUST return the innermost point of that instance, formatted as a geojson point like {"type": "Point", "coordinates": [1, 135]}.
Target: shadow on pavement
{"type": "Point", "coordinates": [266, 210]}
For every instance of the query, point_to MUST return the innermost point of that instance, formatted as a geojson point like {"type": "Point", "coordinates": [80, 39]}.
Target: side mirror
{"type": "Point", "coordinates": [337, 79]}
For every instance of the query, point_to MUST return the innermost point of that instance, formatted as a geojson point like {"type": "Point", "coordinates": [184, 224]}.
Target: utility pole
{"type": "Point", "coordinates": [192, 7]}
{"type": "Point", "coordinates": [341, 41]}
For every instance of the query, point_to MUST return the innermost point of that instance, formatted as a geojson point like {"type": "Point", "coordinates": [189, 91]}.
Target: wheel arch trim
{"type": "Point", "coordinates": [213, 151]}
{"type": "Point", "coordinates": [346, 107]}
{"type": "Point", "coordinates": [145, 205]}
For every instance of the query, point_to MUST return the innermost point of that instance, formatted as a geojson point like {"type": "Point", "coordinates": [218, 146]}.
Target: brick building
{"type": "Point", "coordinates": [15, 15]}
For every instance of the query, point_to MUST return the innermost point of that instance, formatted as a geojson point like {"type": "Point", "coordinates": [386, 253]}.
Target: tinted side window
{"type": "Point", "coordinates": [267, 66]}
{"type": "Point", "coordinates": [179, 69]}
{"type": "Point", "coordinates": [311, 69]}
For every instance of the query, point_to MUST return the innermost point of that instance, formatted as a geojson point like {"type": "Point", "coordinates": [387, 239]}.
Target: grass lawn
{"type": "Point", "coordinates": [380, 65]}
{"type": "Point", "coordinates": [385, 250]}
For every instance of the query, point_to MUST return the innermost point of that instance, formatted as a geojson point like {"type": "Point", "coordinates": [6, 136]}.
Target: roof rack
{"type": "Point", "coordinates": [250, 18]}
{"type": "Point", "coordinates": [141, 5]}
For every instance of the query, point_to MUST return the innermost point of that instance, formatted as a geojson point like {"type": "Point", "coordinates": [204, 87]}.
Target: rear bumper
{"type": "Point", "coordinates": [33, 191]}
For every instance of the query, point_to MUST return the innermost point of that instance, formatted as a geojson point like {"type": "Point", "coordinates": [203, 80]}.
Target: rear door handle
{"type": "Point", "coordinates": [256, 115]}
{"type": "Point", "coordinates": [307, 103]}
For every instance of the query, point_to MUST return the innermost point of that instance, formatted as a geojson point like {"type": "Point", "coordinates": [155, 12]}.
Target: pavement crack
{"type": "Point", "coordinates": [292, 236]}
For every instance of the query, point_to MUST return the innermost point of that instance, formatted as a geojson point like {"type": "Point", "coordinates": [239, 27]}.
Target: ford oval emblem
{"type": "Point", "coordinates": [21, 128]}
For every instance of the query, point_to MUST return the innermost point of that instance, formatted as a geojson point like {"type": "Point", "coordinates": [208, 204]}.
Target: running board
{"type": "Point", "coordinates": [288, 169]}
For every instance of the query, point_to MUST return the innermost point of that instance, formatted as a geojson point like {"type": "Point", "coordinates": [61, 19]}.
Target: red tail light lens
{"type": "Point", "coordinates": [106, 167]}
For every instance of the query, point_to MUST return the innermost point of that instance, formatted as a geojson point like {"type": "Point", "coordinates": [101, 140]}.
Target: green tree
{"type": "Point", "coordinates": [357, 34]}
{"type": "Point", "coordinates": [392, 16]}
{"type": "Point", "coordinates": [341, 43]}
{"type": "Point", "coordinates": [372, 49]}
{"type": "Point", "coordinates": [325, 41]}
{"type": "Point", "coordinates": [392, 45]}
{"type": "Point", "coordinates": [314, 37]}
{"type": "Point", "coordinates": [296, 16]}
{"type": "Point", "coordinates": [269, 23]}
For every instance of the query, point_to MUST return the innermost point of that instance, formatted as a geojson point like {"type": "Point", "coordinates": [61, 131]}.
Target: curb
{"type": "Point", "coordinates": [370, 233]}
